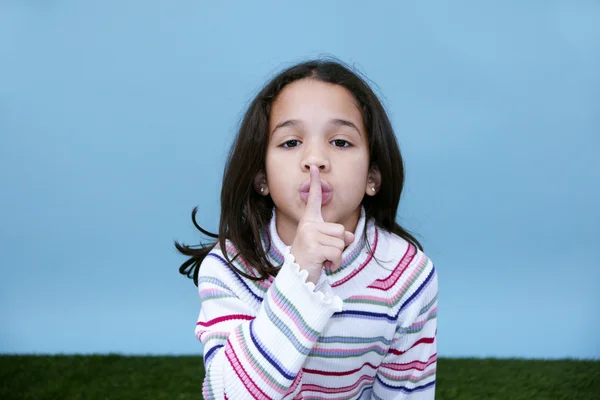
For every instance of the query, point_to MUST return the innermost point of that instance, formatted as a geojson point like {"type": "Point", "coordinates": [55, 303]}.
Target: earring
{"type": "Point", "coordinates": [373, 189]}
{"type": "Point", "coordinates": [262, 189]}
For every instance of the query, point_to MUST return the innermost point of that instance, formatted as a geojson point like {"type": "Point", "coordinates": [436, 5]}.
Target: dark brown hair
{"type": "Point", "coordinates": [245, 213]}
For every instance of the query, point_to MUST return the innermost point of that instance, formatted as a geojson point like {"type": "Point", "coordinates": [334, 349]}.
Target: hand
{"type": "Point", "coordinates": [318, 243]}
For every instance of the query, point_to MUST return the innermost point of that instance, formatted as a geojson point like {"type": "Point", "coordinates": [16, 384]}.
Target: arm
{"type": "Point", "coordinates": [408, 370]}
{"type": "Point", "coordinates": [257, 356]}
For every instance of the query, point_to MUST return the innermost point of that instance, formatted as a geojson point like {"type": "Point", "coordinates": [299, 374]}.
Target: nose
{"type": "Point", "coordinates": [314, 155]}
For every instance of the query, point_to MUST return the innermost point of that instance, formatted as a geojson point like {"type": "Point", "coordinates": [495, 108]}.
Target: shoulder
{"type": "Point", "coordinates": [410, 279]}
{"type": "Point", "coordinates": [226, 257]}
{"type": "Point", "coordinates": [214, 265]}
{"type": "Point", "coordinates": [224, 266]}
{"type": "Point", "coordinates": [407, 265]}
{"type": "Point", "coordinates": [392, 249]}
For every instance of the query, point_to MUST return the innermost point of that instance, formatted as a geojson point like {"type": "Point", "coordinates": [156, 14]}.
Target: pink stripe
{"type": "Point", "coordinates": [252, 364]}
{"type": "Point", "coordinates": [411, 278]}
{"type": "Point", "coordinates": [398, 294]}
{"type": "Point", "coordinates": [408, 377]}
{"type": "Point", "coordinates": [295, 384]}
{"type": "Point", "coordinates": [205, 390]}
{"type": "Point", "coordinates": [224, 318]}
{"type": "Point", "coordinates": [232, 250]}
{"type": "Point", "coordinates": [418, 365]}
{"type": "Point", "coordinates": [376, 298]}
{"type": "Point", "coordinates": [422, 323]}
{"type": "Point", "coordinates": [347, 351]}
{"type": "Point", "coordinates": [428, 340]}
{"type": "Point", "coordinates": [338, 373]}
{"type": "Point", "coordinates": [339, 390]}
{"type": "Point", "coordinates": [294, 318]}
{"type": "Point", "coordinates": [386, 283]}
{"type": "Point", "coordinates": [239, 370]}
{"type": "Point", "coordinates": [363, 265]}
{"type": "Point", "coordinates": [433, 311]}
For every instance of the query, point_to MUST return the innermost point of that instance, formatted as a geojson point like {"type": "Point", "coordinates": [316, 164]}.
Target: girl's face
{"type": "Point", "coordinates": [317, 123]}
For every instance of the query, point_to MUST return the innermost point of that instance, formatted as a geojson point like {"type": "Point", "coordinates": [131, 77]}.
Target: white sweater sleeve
{"type": "Point", "coordinates": [258, 354]}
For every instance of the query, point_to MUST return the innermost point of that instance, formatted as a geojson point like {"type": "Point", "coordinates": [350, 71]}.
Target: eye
{"type": "Point", "coordinates": [341, 143]}
{"type": "Point", "coordinates": [291, 143]}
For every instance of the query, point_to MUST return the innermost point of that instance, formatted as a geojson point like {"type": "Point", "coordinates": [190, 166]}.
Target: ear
{"type": "Point", "coordinates": [260, 184]}
{"type": "Point", "coordinates": [373, 181]}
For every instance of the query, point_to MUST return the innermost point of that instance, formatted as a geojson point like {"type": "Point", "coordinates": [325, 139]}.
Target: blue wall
{"type": "Point", "coordinates": [115, 118]}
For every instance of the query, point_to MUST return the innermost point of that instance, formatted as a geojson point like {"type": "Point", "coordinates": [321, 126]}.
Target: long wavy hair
{"type": "Point", "coordinates": [245, 213]}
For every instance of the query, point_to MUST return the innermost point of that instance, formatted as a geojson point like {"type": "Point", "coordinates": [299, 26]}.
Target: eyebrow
{"type": "Point", "coordinates": [336, 122]}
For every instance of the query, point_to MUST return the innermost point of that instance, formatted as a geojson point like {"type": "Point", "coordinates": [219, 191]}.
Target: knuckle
{"type": "Point", "coordinates": [335, 253]}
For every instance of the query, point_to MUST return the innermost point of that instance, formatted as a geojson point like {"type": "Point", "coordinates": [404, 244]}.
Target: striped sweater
{"type": "Point", "coordinates": [365, 331]}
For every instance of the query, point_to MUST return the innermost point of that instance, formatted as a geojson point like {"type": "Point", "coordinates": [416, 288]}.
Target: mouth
{"type": "Point", "coordinates": [326, 192]}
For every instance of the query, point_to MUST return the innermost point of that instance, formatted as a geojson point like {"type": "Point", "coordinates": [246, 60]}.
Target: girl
{"type": "Point", "coordinates": [313, 291]}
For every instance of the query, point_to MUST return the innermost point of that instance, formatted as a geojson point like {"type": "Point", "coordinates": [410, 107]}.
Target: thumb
{"type": "Point", "coordinates": [348, 238]}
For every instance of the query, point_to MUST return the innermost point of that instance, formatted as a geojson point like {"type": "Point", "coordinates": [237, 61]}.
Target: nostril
{"type": "Point", "coordinates": [321, 167]}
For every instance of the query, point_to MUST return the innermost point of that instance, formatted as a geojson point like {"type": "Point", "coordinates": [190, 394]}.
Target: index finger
{"type": "Point", "coordinates": [315, 196]}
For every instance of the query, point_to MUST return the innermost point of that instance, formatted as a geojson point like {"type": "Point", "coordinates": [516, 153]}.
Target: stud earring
{"type": "Point", "coordinates": [262, 189]}
{"type": "Point", "coordinates": [373, 189]}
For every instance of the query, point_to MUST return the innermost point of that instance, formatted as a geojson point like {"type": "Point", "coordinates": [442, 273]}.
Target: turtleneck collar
{"type": "Point", "coordinates": [350, 254]}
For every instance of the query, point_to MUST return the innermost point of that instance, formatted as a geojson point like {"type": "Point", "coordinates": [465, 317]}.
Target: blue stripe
{"type": "Point", "coordinates": [210, 352]}
{"type": "Point", "coordinates": [282, 326]}
{"type": "Point", "coordinates": [404, 388]}
{"type": "Point", "coordinates": [427, 307]}
{"type": "Point", "coordinates": [239, 278]}
{"type": "Point", "coordinates": [364, 314]}
{"type": "Point", "coordinates": [418, 291]}
{"type": "Point", "coordinates": [365, 389]}
{"type": "Point", "coordinates": [259, 346]}
{"type": "Point", "coordinates": [389, 318]}
{"type": "Point", "coordinates": [351, 339]}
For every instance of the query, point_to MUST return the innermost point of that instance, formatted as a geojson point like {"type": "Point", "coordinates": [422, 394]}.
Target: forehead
{"type": "Point", "coordinates": [315, 101]}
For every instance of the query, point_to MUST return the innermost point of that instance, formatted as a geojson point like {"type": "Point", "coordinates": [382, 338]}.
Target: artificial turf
{"type": "Point", "coordinates": [127, 377]}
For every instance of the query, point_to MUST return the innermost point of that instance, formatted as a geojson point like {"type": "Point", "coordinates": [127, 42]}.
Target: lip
{"type": "Point", "coordinates": [326, 192]}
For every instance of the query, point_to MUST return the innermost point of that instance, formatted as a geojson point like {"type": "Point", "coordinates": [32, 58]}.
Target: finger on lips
{"type": "Point", "coordinates": [333, 237]}
{"type": "Point", "coordinates": [315, 196]}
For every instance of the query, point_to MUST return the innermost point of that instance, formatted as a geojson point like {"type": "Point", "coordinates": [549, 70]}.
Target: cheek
{"type": "Point", "coordinates": [269, 166]}
{"type": "Point", "coordinates": [360, 170]}
{"type": "Point", "coordinates": [354, 181]}
{"type": "Point", "coordinates": [360, 183]}
{"type": "Point", "coordinates": [358, 188]}
{"type": "Point", "coordinates": [277, 172]}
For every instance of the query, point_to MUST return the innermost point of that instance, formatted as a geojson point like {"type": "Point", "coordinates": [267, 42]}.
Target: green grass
{"type": "Point", "coordinates": [122, 377]}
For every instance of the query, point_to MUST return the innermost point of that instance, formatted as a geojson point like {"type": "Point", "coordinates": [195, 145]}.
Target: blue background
{"type": "Point", "coordinates": [116, 117]}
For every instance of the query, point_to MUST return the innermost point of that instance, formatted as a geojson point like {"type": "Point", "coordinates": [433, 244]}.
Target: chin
{"type": "Point", "coordinates": [330, 215]}
{"type": "Point", "coordinates": [291, 212]}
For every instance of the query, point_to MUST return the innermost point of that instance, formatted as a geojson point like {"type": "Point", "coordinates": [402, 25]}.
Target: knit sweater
{"type": "Point", "coordinates": [365, 331]}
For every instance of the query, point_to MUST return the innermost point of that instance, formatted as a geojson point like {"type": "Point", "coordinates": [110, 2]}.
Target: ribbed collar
{"type": "Point", "coordinates": [349, 257]}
